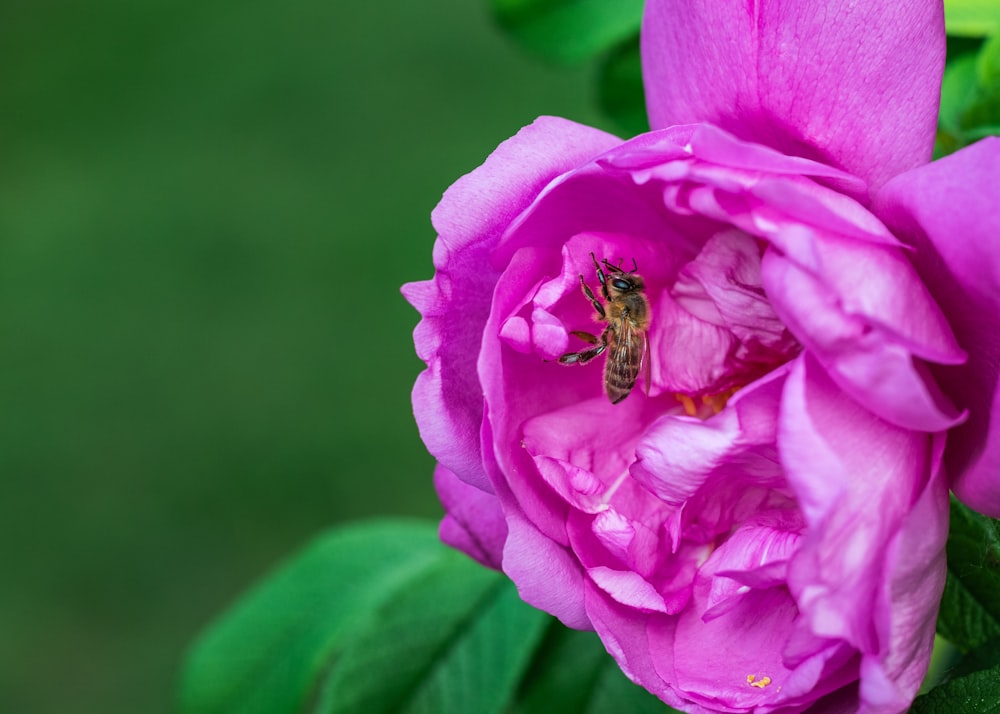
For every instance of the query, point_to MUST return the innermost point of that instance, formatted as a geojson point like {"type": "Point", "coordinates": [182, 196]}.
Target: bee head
{"type": "Point", "coordinates": [625, 283]}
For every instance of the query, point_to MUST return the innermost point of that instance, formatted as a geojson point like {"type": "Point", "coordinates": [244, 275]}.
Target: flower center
{"type": "Point", "coordinates": [698, 332]}
{"type": "Point", "coordinates": [708, 405]}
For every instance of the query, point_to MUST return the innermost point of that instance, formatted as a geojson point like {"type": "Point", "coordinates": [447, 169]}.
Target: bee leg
{"type": "Point", "coordinates": [582, 357]}
{"type": "Point", "coordinates": [586, 336]}
{"type": "Point", "coordinates": [602, 278]}
{"type": "Point", "coordinates": [618, 268]}
{"type": "Point", "coordinates": [600, 344]}
{"type": "Point", "coordinates": [593, 300]}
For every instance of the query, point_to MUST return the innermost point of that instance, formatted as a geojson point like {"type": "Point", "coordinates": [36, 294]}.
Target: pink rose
{"type": "Point", "coordinates": [759, 524]}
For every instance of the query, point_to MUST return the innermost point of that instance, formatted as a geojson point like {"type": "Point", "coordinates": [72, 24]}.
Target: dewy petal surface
{"type": "Point", "coordinates": [949, 212]}
{"type": "Point", "coordinates": [855, 84]}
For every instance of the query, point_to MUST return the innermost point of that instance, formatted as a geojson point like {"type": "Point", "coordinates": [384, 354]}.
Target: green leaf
{"type": "Point", "coordinates": [970, 608]}
{"type": "Point", "coordinates": [971, 18]}
{"type": "Point", "coordinates": [382, 618]}
{"type": "Point", "coordinates": [986, 656]}
{"type": "Point", "coordinates": [569, 31]}
{"type": "Point", "coordinates": [265, 654]}
{"type": "Point", "coordinates": [988, 65]}
{"type": "Point", "coordinates": [976, 693]}
{"type": "Point", "coordinates": [620, 88]}
{"type": "Point", "coordinates": [984, 108]}
{"type": "Point", "coordinates": [958, 89]}
{"type": "Point", "coordinates": [457, 640]}
{"type": "Point", "coordinates": [573, 674]}
{"type": "Point", "coordinates": [981, 132]}
{"type": "Point", "coordinates": [970, 94]}
{"type": "Point", "coordinates": [962, 620]}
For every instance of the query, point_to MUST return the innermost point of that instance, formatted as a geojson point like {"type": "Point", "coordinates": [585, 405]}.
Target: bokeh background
{"type": "Point", "coordinates": [206, 210]}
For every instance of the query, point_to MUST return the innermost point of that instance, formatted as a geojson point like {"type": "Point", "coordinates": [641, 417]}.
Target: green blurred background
{"type": "Point", "coordinates": [206, 211]}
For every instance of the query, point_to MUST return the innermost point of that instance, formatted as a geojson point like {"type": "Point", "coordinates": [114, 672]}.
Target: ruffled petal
{"type": "Point", "coordinates": [547, 575]}
{"type": "Point", "coordinates": [482, 204]}
{"type": "Point", "coordinates": [678, 455]}
{"type": "Point", "coordinates": [906, 608]}
{"type": "Point", "coordinates": [754, 557]}
{"type": "Point", "coordinates": [852, 84]}
{"type": "Point", "coordinates": [868, 359]}
{"type": "Point", "coordinates": [948, 212]}
{"type": "Point", "coordinates": [625, 634]}
{"type": "Point", "coordinates": [715, 660]}
{"type": "Point", "coordinates": [865, 486]}
{"type": "Point", "coordinates": [447, 398]}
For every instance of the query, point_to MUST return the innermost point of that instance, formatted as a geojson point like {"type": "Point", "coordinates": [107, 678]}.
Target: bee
{"type": "Point", "coordinates": [626, 312]}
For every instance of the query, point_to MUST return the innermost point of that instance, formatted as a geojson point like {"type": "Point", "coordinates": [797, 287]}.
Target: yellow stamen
{"type": "Point", "coordinates": [759, 683]}
{"type": "Point", "coordinates": [718, 401]}
{"type": "Point", "coordinates": [707, 405]}
{"type": "Point", "coordinates": [688, 403]}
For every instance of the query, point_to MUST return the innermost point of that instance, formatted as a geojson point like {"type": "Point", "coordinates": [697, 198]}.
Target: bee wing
{"type": "Point", "coordinates": [634, 350]}
{"type": "Point", "coordinates": [626, 354]}
{"type": "Point", "coordinates": [645, 363]}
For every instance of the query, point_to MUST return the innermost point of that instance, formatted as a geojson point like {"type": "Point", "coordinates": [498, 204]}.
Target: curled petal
{"type": "Point", "coordinates": [868, 360]}
{"type": "Point", "coordinates": [473, 521]}
{"type": "Point", "coordinates": [678, 455]}
{"type": "Point", "coordinates": [754, 557]}
{"type": "Point", "coordinates": [867, 488]}
{"type": "Point", "coordinates": [547, 575]}
{"type": "Point", "coordinates": [481, 204]}
{"type": "Point", "coordinates": [714, 659]}
{"type": "Point", "coordinates": [906, 606]}
{"type": "Point", "coordinates": [625, 633]}
{"type": "Point", "coordinates": [628, 588]}
{"type": "Point", "coordinates": [948, 211]}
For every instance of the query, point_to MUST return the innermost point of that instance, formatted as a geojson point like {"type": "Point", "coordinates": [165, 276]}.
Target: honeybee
{"type": "Point", "coordinates": [626, 312]}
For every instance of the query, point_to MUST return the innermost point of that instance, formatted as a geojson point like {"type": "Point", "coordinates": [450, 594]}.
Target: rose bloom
{"type": "Point", "coordinates": [759, 525]}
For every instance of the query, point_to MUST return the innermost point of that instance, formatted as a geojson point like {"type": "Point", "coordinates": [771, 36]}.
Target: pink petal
{"type": "Point", "coordinates": [484, 202]}
{"type": "Point", "coordinates": [848, 333]}
{"type": "Point", "coordinates": [551, 424]}
{"type": "Point", "coordinates": [854, 84]}
{"type": "Point", "coordinates": [713, 659]}
{"type": "Point", "coordinates": [664, 147]}
{"type": "Point", "coordinates": [876, 510]}
{"type": "Point", "coordinates": [907, 606]}
{"type": "Point", "coordinates": [722, 286]}
{"type": "Point", "coordinates": [628, 588]}
{"type": "Point", "coordinates": [695, 352]}
{"type": "Point", "coordinates": [547, 575]}
{"type": "Point", "coordinates": [678, 455]}
{"type": "Point", "coordinates": [948, 211]}
{"type": "Point", "coordinates": [755, 556]}
{"type": "Point", "coordinates": [473, 522]}
{"type": "Point", "coordinates": [447, 398]}
{"type": "Point", "coordinates": [625, 633]}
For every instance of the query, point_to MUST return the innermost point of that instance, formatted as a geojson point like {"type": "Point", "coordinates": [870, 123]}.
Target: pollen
{"type": "Point", "coordinates": [759, 683]}
{"type": "Point", "coordinates": [717, 402]}
{"type": "Point", "coordinates": [690, 408]}
{"type": "Point", "coordinates": [708, 405]}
